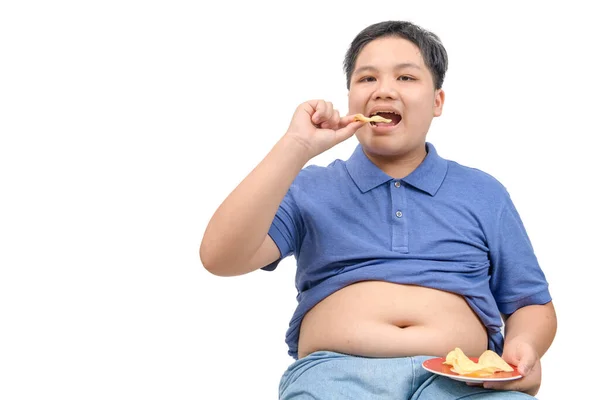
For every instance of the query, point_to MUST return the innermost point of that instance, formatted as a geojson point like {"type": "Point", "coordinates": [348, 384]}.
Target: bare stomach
{"type": "Point", "coordinates": [382, 319]}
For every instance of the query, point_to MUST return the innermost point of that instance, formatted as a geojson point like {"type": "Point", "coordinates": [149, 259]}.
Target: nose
{"type": "Point", "coordinates": [385, 90]}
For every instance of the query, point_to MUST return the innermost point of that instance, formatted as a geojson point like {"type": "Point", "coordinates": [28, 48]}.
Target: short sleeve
{"type": "Point", "coordinates": [286, 229]}
{"type": "Point", "coordinates": [516, 277]}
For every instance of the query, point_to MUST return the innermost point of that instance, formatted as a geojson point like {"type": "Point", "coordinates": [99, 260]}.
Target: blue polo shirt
{"type": "Point", "coordinates": [444, 226]}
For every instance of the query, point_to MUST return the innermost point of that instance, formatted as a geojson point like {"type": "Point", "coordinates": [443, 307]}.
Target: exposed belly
{"type": "Point", "coordinates": [382, 319]}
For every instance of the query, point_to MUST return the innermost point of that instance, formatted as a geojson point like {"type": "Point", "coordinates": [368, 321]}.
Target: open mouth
{"type": "Point", "coordinates": [395, 117]}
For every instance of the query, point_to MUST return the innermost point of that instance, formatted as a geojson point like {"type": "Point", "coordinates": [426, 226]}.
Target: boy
{"type": "Point", "coordinates": [401, 254]}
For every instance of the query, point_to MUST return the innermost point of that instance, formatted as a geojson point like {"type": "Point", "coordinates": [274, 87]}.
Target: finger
{"type": "Point", "coordinates": [333, 122]}
{"type": "Point", "coordinates": [502, 386]}
{"type": "Point", "coordinates": [327, 113]}
{"type": "Point", "coordinates": [344, 121]}
{"type": "Point", "coordinates": [523, 356]}
{"type": "Point", "coordinates": [329, 108]}
{"type": "Point", "coordinates": [493, 386]}
{"type": "Point", "coordinates": [346, 132]}
{"type": "Point", "coordinates": [520, 385]}
{"type": "Point", "coordinates": [336, 117]}
{"type": "Point", "coordinates": [320, 114]}
{"type": "Point", "coordinates": [525, 366]}
{"type": "Point", "coordinates": [527, 362]}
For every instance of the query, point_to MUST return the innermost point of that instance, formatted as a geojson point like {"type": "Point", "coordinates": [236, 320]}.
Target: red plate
{"type": "Point", "coordinates": [437, 366]}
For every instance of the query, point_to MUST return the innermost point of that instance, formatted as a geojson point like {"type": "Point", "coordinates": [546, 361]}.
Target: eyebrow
{"type": "Point", "coordinates": [397, 66]}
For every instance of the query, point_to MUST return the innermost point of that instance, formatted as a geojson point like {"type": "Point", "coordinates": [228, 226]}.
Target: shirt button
{"type": "Point", "coordinates": [398, 214]}
{"type": "Point", "coordinates": [397, 184]}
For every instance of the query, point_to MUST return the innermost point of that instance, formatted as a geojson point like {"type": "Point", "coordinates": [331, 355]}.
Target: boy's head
{"type": "Point", "coordinates": [431, 48]}
{"type": "Point", "coordinates": [396, 69]}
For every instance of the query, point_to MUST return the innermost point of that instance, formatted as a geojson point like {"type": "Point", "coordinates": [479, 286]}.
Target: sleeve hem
{"type": "Point", "coordinates": [281, 244]}
{"type": "Point", "coordinates": [539, 298]}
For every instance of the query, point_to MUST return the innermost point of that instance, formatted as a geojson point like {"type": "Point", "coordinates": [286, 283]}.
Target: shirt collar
{"type": "Point", "coordinates": [428, 176]}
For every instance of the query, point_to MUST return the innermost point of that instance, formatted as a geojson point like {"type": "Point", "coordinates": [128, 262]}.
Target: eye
{"type": "Point", "coordinates": [406, 78]}
{"type": "Point", "coordinates": [367, 79]}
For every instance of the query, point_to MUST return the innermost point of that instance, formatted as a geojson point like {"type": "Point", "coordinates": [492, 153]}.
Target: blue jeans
{"type": "Point", "coordinates": [326, 375]}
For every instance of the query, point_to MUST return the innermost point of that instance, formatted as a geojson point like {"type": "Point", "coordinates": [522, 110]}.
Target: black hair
{"type": "Point", "coordinates": [431, 47]}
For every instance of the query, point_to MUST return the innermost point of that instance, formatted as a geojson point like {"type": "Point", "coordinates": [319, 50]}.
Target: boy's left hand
{"type": "Point", "coordinates": [527, 360]}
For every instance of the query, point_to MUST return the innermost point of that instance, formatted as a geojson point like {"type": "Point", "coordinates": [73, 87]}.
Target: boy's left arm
{"type": "Point", "coordinates": [529, 332]}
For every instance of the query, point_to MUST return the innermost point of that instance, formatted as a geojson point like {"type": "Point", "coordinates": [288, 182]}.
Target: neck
{"type": "Point", "coordinates": [401, 165]}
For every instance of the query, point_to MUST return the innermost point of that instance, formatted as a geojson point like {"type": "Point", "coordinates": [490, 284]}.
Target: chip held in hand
{"type": "Point", "coordinates": [374, 118]}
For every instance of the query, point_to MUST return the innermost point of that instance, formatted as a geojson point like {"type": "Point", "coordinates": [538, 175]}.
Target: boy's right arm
{"type": "Point", "coordinates": [236, 240]}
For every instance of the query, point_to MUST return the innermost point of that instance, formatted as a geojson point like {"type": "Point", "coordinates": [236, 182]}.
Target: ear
{"type": "Point", "coordinates": [438, 102]}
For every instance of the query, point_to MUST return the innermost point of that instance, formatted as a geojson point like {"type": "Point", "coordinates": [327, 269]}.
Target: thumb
{"type": "Point", "coordinates": [522, 354]}
{"type": "Point", "coordinates": [525, 366]}
{"type": "Point", "coordinates": [347, 131]}
{"type": "Point", "coordinates": [527, 361]}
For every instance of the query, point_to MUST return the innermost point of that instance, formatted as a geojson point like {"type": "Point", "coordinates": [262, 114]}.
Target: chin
{"type": "Point", "coordinates": [381, 144]}
{"type": "Point", "coordinates": [382, 149]}
{"type": "Point", "coordinates": [388, 148]}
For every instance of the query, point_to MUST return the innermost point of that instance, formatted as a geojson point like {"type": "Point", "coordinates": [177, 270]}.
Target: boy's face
{"type": "Point", "coordinates": [390, 75]}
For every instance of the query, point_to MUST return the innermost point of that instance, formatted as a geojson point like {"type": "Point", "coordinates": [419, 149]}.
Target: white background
{"type": "Point", "coordinates": [124, 124]}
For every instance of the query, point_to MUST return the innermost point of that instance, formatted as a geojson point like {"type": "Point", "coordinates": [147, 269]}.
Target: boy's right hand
{"type": "Point", "coordinates": [317, 126]}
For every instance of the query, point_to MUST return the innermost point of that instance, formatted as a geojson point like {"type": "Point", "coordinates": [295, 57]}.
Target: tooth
{"type": "Point", "coordinates": [383, 111]}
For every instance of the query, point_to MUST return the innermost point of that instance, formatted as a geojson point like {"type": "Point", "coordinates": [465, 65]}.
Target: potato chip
{"type": "Point", "coordinates": [488, 363]}
{"type": "Point", "coordinates": [461, 364]}
{"type": "Point", "coordinates": [374, 118]}
{"type": "Point", "coordinates": [491, 359]}
{"type": "Point", "coordinates": [482, 373]}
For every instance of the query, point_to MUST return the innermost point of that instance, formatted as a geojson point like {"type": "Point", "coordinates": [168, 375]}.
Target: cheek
{"type": "Point", "coordinates": [352, 106]}
{"type": "Point", "coordinates": [422, 107]}
{"type": "Point", "coordinates": [355, 103]}
{"type": "Point", "coordinates": [361, 132]}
